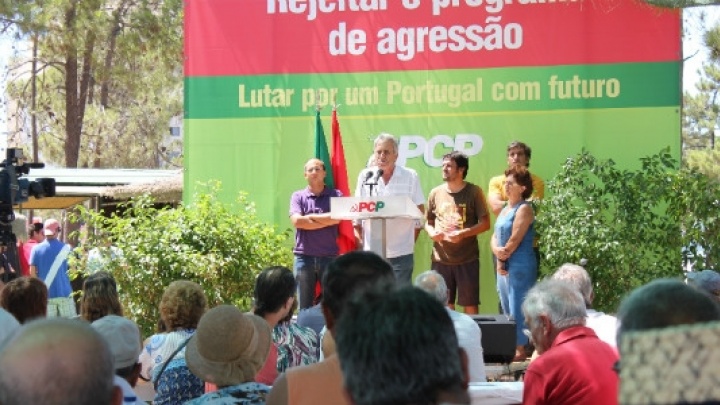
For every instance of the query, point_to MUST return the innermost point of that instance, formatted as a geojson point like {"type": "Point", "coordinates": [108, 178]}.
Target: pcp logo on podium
{"type": "Point", "coordinates": [368, 206]}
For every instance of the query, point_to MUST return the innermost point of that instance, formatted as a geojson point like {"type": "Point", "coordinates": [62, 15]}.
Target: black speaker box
{"type": "Point", "coordinates": [498, 337]}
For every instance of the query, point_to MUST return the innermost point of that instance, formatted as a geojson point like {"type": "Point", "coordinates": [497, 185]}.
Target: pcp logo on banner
{"type": "Point", "coordinates": [368, 206]}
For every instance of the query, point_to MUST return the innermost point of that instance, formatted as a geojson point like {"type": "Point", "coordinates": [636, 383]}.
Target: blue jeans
{"type": "Point", "coordinates": [308, 270]}
{"type": "Point", "coordinates": [403, 269]}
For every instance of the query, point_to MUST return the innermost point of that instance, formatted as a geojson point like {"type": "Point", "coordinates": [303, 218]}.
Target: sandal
{"type": "Point", "coordinates": [519, 355]}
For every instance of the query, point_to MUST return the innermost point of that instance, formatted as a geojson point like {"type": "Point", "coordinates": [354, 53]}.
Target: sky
{"type": "Point", "coordinates": [693, 51]}
{"type": "Point", "coordinates": [693, 48]}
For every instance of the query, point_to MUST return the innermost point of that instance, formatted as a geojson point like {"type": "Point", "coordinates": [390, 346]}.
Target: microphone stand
{"type": "Point", "coordinates": [383, 227]}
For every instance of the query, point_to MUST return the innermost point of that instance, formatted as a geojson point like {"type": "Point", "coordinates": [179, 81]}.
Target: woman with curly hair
{"type": "Point", "coordinates": [99, 297]}
{"type": "Point", "coordinates": [163, 357]}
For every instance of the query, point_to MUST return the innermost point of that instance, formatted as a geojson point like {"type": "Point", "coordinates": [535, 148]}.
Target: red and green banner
{"type": "Point", "coordinates": [441, 75]}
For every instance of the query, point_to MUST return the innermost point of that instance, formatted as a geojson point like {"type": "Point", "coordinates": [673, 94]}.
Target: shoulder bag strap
{"type": "Point", "coordinates": [62, 255]}
{"type": "Point", "coordinates": [164, 366]}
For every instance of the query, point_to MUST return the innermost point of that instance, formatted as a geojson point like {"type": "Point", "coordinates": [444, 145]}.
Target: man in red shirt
{"type": "Point", "coordinates": [35, 236]}
{"type": "Point", "coordinates": [575, 366]}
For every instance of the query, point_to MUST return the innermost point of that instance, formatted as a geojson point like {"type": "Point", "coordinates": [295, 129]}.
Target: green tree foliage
{"type": "Point", "coordinates": [631, 225]}
{"type": "Point", "coordinates": [106, 79]}
{"type": "Point", "coordinates": [222, 248]}
{"type": "Point", "coordinates": [701, 112]}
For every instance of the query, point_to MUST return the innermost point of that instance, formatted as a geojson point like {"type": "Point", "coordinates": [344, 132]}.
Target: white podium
{"type": "Point", "coordinates": [382, 208]}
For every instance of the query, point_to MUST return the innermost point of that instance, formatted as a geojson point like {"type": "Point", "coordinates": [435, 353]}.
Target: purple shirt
{"type": "Point", "coordinates": [316, 242]}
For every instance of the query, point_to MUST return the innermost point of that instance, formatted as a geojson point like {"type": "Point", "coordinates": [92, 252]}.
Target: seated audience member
{"type": "Point", "coordinates": [274, 296]}
{"type": "Point", "coordinates": [99, 297]}
{"type": "Point", "coordinates": [26, 298]}
{"type": "Point", "coordinates": [467, 330]}
{"type": "Point", "coordinates": [574, 366]}
{"type": "Point", "coordinates": [8, 326]}
{"type": "Point", "coordinates": [673, 365]}
{"type": "Point", "coordinates": [662, 303]}
{"type": "Point", "coordinates": [312, 317]}
{"type": "Point", "coordinates": [163, 358]}
{"type": "Point", "coordinates": [706, 280]}
{"type": "Point", "coordinates": [57, 362]}
{"type": "Point", "coordinates": [605, 326]}
{"type": "Point", "coordinates": [123, 337]}
{"type": "Point", "coordinates": [227, 350]}
{"type": "Point", "coordinates": [321, 383]}
{"type": "Point", "coordinates": [296, 345]}
{"type": "Point", "coordinates": [377, 328]}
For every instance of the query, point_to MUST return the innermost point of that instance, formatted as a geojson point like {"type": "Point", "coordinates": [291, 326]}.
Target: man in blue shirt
{"type": "Point", "coordinates": [48, 262]}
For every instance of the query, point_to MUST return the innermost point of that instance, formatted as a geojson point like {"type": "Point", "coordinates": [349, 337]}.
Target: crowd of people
{"type": "Point", "coordinates": [365, 331]}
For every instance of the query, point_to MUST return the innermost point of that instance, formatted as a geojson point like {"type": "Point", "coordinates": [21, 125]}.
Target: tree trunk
{"type": "Point", "coordinates": [72, 116]}
{"type": "Point", "coordinates": [76, 101]}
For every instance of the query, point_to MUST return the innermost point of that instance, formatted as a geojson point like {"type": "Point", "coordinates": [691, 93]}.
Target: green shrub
{"type": "Point", "coordinates": [631, 226]}
{"type": "Point", "coordinates": [220, 247]}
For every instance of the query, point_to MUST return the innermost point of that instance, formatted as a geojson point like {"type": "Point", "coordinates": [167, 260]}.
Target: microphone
{"type": "Point", "coordinates": [367, 176]}
{"type": "Point", "coordinates": [377, 175]}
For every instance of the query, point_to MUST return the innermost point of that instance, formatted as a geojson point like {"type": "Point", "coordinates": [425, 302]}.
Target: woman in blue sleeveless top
{"type": "Point", "coordinates": [512, 244]}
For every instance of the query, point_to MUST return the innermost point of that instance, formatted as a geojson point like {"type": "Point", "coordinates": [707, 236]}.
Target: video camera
{"type": "Point", "coordinates": [14, 189]}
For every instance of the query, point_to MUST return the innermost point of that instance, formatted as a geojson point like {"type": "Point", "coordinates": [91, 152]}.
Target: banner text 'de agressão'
{"type": "Point", "coordinates": [319, 36]}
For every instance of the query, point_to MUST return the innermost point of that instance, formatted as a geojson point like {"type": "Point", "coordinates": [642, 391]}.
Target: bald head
{"type": "Point", "coordinates": [314, 162]}
{"type": "Point", "coordinates": [57, 362]}
{"type": "Point", "coordinates": [434, 284]}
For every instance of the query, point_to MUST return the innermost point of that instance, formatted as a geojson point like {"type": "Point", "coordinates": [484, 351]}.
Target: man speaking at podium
{"type": "Point", "coordinates": [385, 178]}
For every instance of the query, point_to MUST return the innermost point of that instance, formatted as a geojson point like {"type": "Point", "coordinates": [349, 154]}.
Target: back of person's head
{"type": "Point", "coordinates": [20, 227]}
{"type": "Point", "coordinates": [26, 298]}
{"type": "Point", "coordinates": [707, 281]}
{"type": "Point", "coordinates": [560, 302]}
{"type": "Point", "coordinates": [57, 362]}
{"type": "Point", "coordinates": [52, 228]}
{"type": "Point", "coordinates": [578, 277]}
{"type": "Point", "coordinates": [291, 312]}
{"type": "Point", "coordinates": [662, 303]}
{"type": "Point", "coordinates": [434, 284]}
{"type": "Point", "coordinates": [100, 297]}
{"type": "Point", "coordinates": [398, 347]}
{"type": "Point", "coordinates": [349, 273]}
{"type": "Point", "coordinates": [123, 337]}
{"type": "Point", "coordinates": [36, 228]}
{"type": "Point", "coordinates": [273, 286]}
{"type": "Point", "coordinates": [182, 305]}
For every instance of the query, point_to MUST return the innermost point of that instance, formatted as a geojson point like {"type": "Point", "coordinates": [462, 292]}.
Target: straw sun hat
{"type": "Point", "coordinates": [229, 347]}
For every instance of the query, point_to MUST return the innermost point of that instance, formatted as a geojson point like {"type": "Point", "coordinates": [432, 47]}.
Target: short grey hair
{"type": "Point", "coordinates": [578, 277]}
{"type": "Point", "coordinates": [557, 300]}
{"type": "Point", "coordinates": [82, 372]}
{"type": "Point", "coordinates": [434, 284]}
{"type": "Point", "coordinates": [384, 137]}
